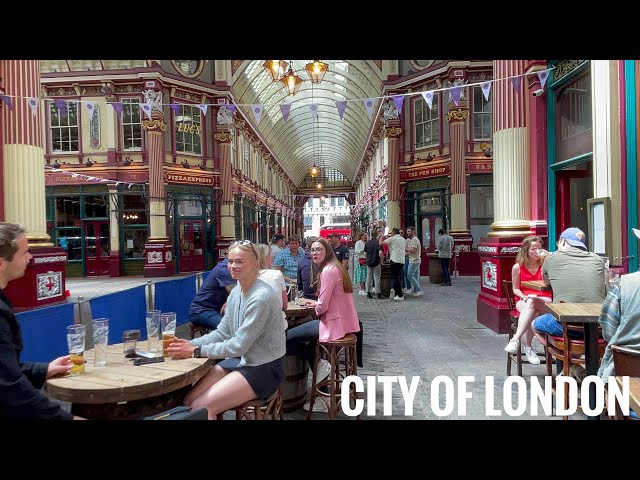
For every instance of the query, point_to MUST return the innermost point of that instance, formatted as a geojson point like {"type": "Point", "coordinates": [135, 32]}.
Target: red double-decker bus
{"type": "Point", "coordinates": [343, 229]}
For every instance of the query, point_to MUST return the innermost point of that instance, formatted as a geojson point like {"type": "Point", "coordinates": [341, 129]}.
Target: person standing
{"type": "Point", "coordinates": [277, 244]}
{"type": "Point", "coordinates": [374, 253]}
{"type": "Point", "coordinates": [207, 307]}
{"type": "Point", "coordinates": [406, 283]}
{"type": "Point", "coordinates": [360, 273]}
{"type": "Point", "coordinates": [396, 248]}
{"type": "Point", "coordinates": [20, 382]}
{"type": "Point", "coordinates": [445, 250]}
{"type": "Point", "coordinates": [414, 250]}
{"type": "Point", "coordinates": [307, 273]}
{"type": "Point", "coordinates": [340, 249]}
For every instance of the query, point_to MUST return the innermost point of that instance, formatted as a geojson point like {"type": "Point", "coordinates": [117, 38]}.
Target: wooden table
{"type": "Point", "coordinates": [298, 314]}
{"type": "Point", "coordinates": [586, 314]}
{"type": "Point", "coordinates": [536, 285]}
{"type": "Point", "coordinates": [634, 392]}
{"type": "Point", "coordinates": [123, 391]}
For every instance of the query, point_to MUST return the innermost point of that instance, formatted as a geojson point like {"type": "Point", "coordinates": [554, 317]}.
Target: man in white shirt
{"type": "Point", "coordinates": [396, 249]}
{"type": "Point", "coordinates": [445, 249]}
{"type": "Point", "coordinates": [413, 253]}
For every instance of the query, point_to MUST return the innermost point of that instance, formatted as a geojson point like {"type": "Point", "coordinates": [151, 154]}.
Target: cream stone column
{"type": "Point", "coordinates": [392, 133]}
{"type": "Point", "coordinates": [227, 222]}
{"type": "Point", "coordinates": [23, 152]}
{"type": "Point", "coordinates": [457, 117]}
{"type": "Point", "coordinates": [606, 142]}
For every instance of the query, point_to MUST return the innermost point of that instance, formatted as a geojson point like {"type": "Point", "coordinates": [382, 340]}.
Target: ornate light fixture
{"type": "Point", "coordinates": [291, 81]}
{"type": "Point", "coordinates": [314, 171]}
{"type": "Point", "coordinates": [276, 68]}
{"type": "Point", "coordinates": [316, 70]}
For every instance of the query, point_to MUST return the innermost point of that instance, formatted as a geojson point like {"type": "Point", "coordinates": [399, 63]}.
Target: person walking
{"type": "Point", "coordinates": [445, 250]}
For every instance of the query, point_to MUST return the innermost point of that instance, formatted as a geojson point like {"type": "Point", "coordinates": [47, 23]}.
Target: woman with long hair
{"type": "Point", "coordinates": [250, 339]}
{"type": "Point", "coordinates": [335, 309]}
{"type": "Point", "coordinates": [530, 303]}
{"type": "Point", "coordinates": [360, 270]}
{"type": "Point", "coordinates": [272, 277]}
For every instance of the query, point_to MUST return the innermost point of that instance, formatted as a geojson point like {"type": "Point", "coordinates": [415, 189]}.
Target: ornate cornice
{"type": "Point", "coordinates": [392, 132]}
{"type": "Point", "coordinates": [154, 125]}
{"type": "Point", "coordinates": [223, 137]}
{"type": "Point", "coordinates": [458, 115]}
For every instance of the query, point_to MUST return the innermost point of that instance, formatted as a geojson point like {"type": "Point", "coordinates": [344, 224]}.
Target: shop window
{"type": "Point", "coordinates": [96, 207]}
{"type": "Point", "coordinates": [134, 240]}
{"type": "Point", "coordinates": [427, 122]}
{"type": "Point", "coordinates": [134, 209]}
{"type": "Point", "coordinates": [131, 125]}
{"type": "Point", "coordinates": [480, 211]}
{"type": "Point", "coordinates": [190, 208]}
{"type": "Point", "coordinates": [188, 122]}
{"type": "Point", "coordinates": [481, 115]}
{"type": "Point", "coordinates": [67, 211]}
{"type": "Point", "coordinates": [71, 240]}
{"type": "Point", "coordinates": [430, 202]}
{"type": "Point", "coordinates": [64, 128]}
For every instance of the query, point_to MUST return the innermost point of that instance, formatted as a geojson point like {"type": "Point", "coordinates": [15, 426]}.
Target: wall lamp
{"type": "Point", "coordinates": [89, 162]}
{"type": "Point", "coordinates": [55, 164]}
{"type": "Point", "coordinates": [185, 164]}
{"type": "Point", "coordinates": [429, 157]}
{"type": "Point", "coordinates": [127, 161]}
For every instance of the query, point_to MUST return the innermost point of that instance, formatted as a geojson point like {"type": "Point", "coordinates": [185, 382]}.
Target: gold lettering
{"type": "Point", "coordinates": [198, 129]}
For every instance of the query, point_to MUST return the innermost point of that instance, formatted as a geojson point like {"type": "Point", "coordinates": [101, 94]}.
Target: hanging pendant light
{"type": "Point", "coordinates": [291, 81]}
{"type": "Point", "coordinates": [276, 68]}
{"type": "Point", "coordinates": [314, 171]}
{"type": "Point", "coordinates": [316, 70]}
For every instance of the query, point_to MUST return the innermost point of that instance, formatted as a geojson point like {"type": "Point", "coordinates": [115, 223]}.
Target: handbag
{"type": "Point", "coordinates": [180, 413]}
{"type": "Point", "coordinates": [362, 261]}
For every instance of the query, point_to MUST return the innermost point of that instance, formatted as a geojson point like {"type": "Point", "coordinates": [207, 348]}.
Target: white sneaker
{"type": "Point", "coordinates": [531, 356]}
{"type": "Point", "coordinates": [419, 293]}
{"type": "Point", "coordinates": [362, 292]}
{"type": "Point", "coordinates": [407, 290]}
{"type": "Point", "coordinates": [324, 370]}
{"type": "Point", "coordinates": [392, 293]}
{"type": "Point", "coordinates": [513, 346]}
{"type": "Point", "coordinates": [399, 299]}
{"type": "Point", "coordinates": [319, 406]}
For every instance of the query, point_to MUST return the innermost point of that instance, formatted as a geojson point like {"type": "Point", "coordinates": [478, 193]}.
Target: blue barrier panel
{"type": "Point", "coordinates": [44, 332]}
{"type": "Point", "coordinates": [125, 310]}
{"type": "Point", "coordinates": [176, 296]}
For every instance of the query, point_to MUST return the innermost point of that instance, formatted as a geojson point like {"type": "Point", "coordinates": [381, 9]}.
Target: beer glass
{"type": "Point", "coordinates": [76, 335]}
{"type": "Point", "coordinates": [100, 341]}
{"type": "Point", "coordinates": [153, 331]}
{"type": "Point", "coordinates": [168, 328]}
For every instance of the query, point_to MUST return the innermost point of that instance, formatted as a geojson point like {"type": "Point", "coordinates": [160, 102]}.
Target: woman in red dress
{"type": "Point", "coordinates": [530, 303]}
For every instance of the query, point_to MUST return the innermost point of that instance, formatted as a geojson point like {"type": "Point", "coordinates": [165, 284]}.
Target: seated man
{"type": "Point", "coordinates": [575, 275]}
{"type": "Point", "coordinates": [207, 306]}
{"type": "Point", "coordinates": [307, 274]}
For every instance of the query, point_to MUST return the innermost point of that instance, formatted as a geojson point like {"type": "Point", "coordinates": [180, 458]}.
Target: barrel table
{"type": "Point", "coordinates": [435, 269]}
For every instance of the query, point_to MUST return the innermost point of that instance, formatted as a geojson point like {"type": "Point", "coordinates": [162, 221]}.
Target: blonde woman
{"type": "Point", "coordinates": [249, 338]}
{"type": "Point", "coordinates": [360, 270]}
{"type": "Point", "coordinates": [530, 303]}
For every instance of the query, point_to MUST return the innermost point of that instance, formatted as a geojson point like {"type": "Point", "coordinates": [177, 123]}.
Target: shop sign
{"type": "Point", "coordinates": [189, 179]}
{"type": "Point", "coordinates": [480, 167]}
{"type": "Point", "coordinates": [426, 172]}
{"type": "Point", "coordinates": [69, 179]}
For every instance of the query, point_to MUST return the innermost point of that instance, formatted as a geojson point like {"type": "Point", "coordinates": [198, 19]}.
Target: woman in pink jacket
{"type": "Point", "coordinates": [335, 309]}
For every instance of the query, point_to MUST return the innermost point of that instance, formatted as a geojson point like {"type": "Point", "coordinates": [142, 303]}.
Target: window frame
{"type": "Point", "coordinates": [432, 120]}
{"type": "Point", "coordinates": [68, 103]}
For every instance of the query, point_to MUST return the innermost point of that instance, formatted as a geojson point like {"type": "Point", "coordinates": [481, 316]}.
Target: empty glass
{"type": "Point", "coordinates": [154, 338]}
{"type": "Point", "coordinates": [100, 341]}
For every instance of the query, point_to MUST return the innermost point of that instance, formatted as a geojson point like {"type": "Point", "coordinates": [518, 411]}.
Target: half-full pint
{"type": "Point", "coordinates": [76, 342]}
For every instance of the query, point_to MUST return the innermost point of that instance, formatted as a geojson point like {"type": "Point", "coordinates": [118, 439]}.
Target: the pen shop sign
{"type": "Point", "coordinates": [189, 179]}
{"type": "Point", "coordinates": [427, 172]}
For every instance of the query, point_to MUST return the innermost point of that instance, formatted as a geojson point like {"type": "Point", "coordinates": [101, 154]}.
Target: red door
{"type": "Point", "coordinates": [191, 245]}
{"type": "Point", "coordinates": [573, 189]}
{"type": "Point", "coordinates": [428, 231]}
{"type": "Point", "coordinates": [96, 247]}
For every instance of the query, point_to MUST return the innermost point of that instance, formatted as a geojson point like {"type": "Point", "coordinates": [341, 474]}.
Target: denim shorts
{"type": "Point", "coordinates": [548, 324]}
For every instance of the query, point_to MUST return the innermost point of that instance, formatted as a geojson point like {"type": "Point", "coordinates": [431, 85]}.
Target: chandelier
{"type": "Point", "coordinates": [316, 70]}
{"type": "Point", "coordinates": [276, 68]}
{"type": "Point", "coordinates": [291, 81]}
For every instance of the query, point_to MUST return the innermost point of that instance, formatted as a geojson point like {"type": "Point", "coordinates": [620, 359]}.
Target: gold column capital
{"type": "Point", "coordinates": [154, 125]}
{"type": "Point", "coordinates": [457, 115]}
{"type": "Point", "coordinates": [223, 137]}
{"type": "Point", "coordinates": [392, 132]}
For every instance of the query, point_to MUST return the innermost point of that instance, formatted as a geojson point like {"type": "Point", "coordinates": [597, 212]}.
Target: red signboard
{"type": "Point", "coordinates": [480, 167]}
{"type": "Point", "coordinates": [189, 179]}
{"type": "Point", "coordinates": [430, 171]}
{"type": "Point", "coordinates": [69, 178]}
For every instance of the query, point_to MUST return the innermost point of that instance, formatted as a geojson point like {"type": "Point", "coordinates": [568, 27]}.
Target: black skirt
{"type": "Point", "coordinates": [264, 379]}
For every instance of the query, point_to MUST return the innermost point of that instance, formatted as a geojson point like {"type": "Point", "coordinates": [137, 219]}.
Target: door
{"type": "Point", "coordinates": [429, 226]}
{"type": "Point", "coordinates": [573, 189]}
{"type": "Point", "coordinates": [191, 245]}
{"type": "Point", "coordinates": [96, 247]}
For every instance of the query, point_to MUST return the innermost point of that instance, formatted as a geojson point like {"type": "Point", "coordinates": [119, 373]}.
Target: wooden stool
{"type": "Point", "coordinates": [197, 328]}
{"type": "Point", "coordinates": [270, 409]}
{"type": "Point", "coordinates": [341, 368]}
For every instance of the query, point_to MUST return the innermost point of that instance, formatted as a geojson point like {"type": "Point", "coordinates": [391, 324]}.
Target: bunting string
{"type": "Point", "coordinates": [93, 179]}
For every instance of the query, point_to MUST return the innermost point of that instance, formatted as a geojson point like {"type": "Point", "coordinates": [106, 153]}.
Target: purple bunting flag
{"type": "Point", "coordinates": [456, 92]}
{"type": "Point", "coordinates": [285, 108]}
{"type": "Point", "coordinates": [6, 99]}
{"type": "Point", "coordinates": [313, 108]}
{"type": "Point", "coordinates": [428, 97]}
{"type": "Point", "coordinates": [517, 82]}
{"type": "Point", "coordinates": [203, 108]}
{"type": "Point", "coordinates": [146, 108]}
{"type": "Point", "coordinates": [33, 104]}
{"type": "Point", "coordinates": [118, 107]}
{"type": "Point", "coordinates": [543, 75]}
{"type": "Point", "coordinates": [62, 106]}
{"type": "Point", "coordinates": [341, 105]}
{"type": "Point", "coordinates": [175, 107]}
{"type": "Point", "coordinates": [486, 89]}
{"type": "Point", "coordinates": [231, 108]}
{"type": "Point", "coordinates": [257, 110]}
{"type": "Point", "coordinates": [399, 101]}
{"type": "Point", "coordinates": [369, 104]}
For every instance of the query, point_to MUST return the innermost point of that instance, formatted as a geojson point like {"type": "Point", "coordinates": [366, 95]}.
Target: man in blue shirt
{"type": "Point", "coordinates": [207, 306]}
{"type": "Point", "coordinates": [288, 259]}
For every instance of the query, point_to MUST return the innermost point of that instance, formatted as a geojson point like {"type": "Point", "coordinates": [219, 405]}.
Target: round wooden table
{"type": "Point", "coordinates": [298, 314]}
{"type": "Point", "coordinates": [123, 391]}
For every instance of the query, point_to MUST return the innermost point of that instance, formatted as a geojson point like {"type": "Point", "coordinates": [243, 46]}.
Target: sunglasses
{"type": "Point", "coordinates": [241, 242]}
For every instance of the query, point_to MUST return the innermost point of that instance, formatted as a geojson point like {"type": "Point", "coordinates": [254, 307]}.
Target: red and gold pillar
{"type": "Point", "coordinates": [23, 186]}
{"type": "Point", "coordinates": [392, 133]}
{"type": "Point", "coordinates": [223, 137]}
{"type": "Point", "coordinates": [512, 194]}
{"type": "Point", "coordinates": [158, 250]}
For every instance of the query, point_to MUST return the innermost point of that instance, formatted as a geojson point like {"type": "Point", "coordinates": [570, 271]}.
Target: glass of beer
{"type": "Point", "coordinates": [76, 335]}
{"type": "Point", "coordinates": [168, 328]}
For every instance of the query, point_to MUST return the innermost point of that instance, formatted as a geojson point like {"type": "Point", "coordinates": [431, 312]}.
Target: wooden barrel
{"type": "Point", "coordinates": [385, 280]}
{"type": "Point", "coordinates": [294, 388]}
{"type": "Point", "coordinates": [435, 269]}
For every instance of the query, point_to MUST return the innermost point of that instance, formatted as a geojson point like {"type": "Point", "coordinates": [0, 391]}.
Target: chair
{"type": "Point", "coordinates": [197, 328]}
{"type": "Point", "coordinates": [627, 363]}
{"type": "Point", "coordinates": [339, 353]}
{"type": "Point", "coordinates": [513, 315]}
{"type": "Point", "coordinates": [270, 409]}
{"type": "Point", "coordinates": [570, 351]}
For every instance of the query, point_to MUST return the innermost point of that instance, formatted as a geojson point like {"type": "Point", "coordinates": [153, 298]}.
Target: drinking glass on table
{"type": "Point", "coordinates": [100, 341]}
{"type": "Point", "coordinates": [153, 331]}
{"type": "Point", "coordinates": [76, 335]}
{"type": "Point", "coordinates": [168, 328]}
{"type": "Point", "coordinates": [299, 298]}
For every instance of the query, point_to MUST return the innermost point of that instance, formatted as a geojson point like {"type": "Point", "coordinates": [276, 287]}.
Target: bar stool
{"type": "Point", "coordinates": [270, 409]}
{"type": "Point", "coordinates": [197, 328]}
{"type": "Point", "coordinates": [341, 355]}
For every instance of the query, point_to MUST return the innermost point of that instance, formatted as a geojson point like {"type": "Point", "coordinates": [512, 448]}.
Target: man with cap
{"type": "Point", "coordinates": [620, 318]}
{"type": "Point", "coordinates": [340, 249]}
{"type": "Point", "coordinates": [575, 275]}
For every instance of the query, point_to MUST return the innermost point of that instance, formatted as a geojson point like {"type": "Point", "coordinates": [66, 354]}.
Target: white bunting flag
{"type": "Point", "coordinates": [313, 108]}
{"type": "Point", "coordinates": [428, 97]}
{"type": "Point", "coordinates": [257, 111]}
{"type": "Point", "coordinates": [33, 103]}
{"type": "Point", "coordinates": [90, 106]}
{"type": "Point", "coordinates": [146, 108]}
{"type": "Point", "coordinates": [203, 108]}
{"type": "Point", "coordinates": [486, 89]}
{"type": "Point", "coordinates": [369, 104]}
{"type": "Point", "coordinates": [543, 75]}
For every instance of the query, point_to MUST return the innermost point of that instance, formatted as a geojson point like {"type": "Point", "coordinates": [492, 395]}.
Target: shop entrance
{"type": "Point", "coordinates": [428, 231]}
{"type": "Point", "coordinates": [573, 189]}
{"type": "Point", "coordinates": [191, 245]}
{"type": "Point", "coordinates": [96, 247]}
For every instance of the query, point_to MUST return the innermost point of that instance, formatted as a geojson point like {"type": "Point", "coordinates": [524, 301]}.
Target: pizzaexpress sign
{"type": "Point", "coordinates": [189, 179]}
